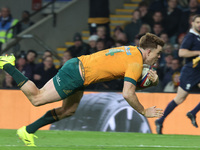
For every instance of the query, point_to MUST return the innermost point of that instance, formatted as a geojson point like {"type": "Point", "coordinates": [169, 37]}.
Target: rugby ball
{"type": "Point", "coordinates": [144, 80]}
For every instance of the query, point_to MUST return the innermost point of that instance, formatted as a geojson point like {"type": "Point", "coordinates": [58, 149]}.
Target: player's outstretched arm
{"type": "Point", "coordinates": [131, 97]}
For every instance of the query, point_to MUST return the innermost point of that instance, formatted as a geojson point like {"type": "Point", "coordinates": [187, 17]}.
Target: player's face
{"type": "Point", "coordinates": [154, 55]}
{"type": "Point", "coordinates": [196, 25]}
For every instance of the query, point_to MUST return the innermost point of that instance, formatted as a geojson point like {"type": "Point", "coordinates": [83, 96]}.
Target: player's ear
{"type": "Point", "coordinates": [148, 51]}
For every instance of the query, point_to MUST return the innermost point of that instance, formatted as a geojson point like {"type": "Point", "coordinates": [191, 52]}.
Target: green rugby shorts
{"type": "Point", "coordinates": [68, 79]}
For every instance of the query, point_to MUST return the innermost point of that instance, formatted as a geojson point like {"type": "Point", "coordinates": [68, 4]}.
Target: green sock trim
{"type": "Point", "coordinates": [19, 78]}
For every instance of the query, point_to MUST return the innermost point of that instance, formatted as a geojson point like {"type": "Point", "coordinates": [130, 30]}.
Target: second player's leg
{"type": "Point", "coordinates": [180, 96]}
{"type": "Point", "coordinates": [69, 105]}
{"type": "Point", "coordinates": [67, 109]}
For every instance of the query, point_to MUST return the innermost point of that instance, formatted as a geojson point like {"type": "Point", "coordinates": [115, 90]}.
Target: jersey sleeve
{"type": "Point", "coordinates": [187, 42]}
{"type": "Point", "coordinates": [133, 73]}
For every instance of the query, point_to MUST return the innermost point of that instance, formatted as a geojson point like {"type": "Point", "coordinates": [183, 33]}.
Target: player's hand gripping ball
{"type": "Point", "coordinates": [144, 81]}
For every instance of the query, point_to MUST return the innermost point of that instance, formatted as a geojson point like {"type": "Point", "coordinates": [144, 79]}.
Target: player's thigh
{"type": "Point", "coordinates": [72, 101]}
{"type": "Point", "coordinates": [180, 96]}
{"type": "Point", "coordinates": [49, 93]}
{"type": "Point", "coordinates": [69, 105]}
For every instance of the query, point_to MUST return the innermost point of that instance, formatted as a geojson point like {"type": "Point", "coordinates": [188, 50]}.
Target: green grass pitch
{"type": "Point", "coordinates": [75, 140]}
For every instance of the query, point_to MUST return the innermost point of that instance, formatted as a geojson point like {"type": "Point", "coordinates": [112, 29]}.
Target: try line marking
{"type": "Point", "coordinates": [145, 146]}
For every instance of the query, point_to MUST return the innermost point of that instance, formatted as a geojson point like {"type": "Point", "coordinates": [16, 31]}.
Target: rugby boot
{"type": "Point", "coordinates": [27, 138]}
{"type": "Point", "coordinates": [192, 118]}
{"type": "Point", "coordinates": [7, 59]}
{"type": "Point", "coordinates": [159, 127]}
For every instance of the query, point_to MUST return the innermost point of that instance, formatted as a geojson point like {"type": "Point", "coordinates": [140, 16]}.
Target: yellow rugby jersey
{"type": "Point", "coordinates": [119, 62]}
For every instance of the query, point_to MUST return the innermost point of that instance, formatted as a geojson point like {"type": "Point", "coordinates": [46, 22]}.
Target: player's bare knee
{"type": "Point", "coordinates": [36, 100]}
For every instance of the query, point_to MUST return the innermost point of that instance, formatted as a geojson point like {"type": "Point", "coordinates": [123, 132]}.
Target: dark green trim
{"type": "Point", "coordinates": [140, 51]}
{"type": "Point", "coordinates": [130, 80]}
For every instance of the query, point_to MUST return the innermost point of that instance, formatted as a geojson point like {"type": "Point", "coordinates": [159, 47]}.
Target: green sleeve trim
{"type": "Point", "coordinates": [130, 80]}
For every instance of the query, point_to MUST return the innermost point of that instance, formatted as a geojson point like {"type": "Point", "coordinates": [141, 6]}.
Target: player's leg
{"type": "Point", "coordinates": [69, 106]}
{"type": "Point", "coordinates": [36, 96]}
{"type": "Point", "coordinates": [180, 97]}
{"type": "Point", "coordinates": [195, 75]}
{"type": "Point", "coordinates": [192, 115]}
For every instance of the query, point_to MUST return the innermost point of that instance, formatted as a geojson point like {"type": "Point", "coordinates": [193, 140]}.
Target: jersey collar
{"type": "Point", "coordinates": [193, 32]}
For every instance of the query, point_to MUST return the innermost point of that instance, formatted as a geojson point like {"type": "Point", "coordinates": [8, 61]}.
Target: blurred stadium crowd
{"type": "Point", "coordinates": [168, 19]}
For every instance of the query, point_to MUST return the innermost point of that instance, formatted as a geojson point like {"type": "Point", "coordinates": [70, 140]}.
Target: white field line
{"type": "Point", "coordinates": [138, 146]}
